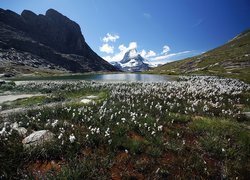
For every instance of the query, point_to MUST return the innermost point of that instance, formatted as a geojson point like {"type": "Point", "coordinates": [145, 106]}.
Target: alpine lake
{"type": "Point", "coordinates": [121, 77]}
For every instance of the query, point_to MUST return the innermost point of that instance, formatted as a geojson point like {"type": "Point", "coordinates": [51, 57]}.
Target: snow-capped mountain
{"type": "Point", "coordinates": [132, 62]}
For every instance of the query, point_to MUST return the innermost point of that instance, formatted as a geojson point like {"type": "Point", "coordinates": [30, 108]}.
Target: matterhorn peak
{"type": "Point", "coordinates": [132, 62]}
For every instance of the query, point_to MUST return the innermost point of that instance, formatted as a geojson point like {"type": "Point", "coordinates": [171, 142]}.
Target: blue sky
{"type": "Point", "coordinates": [162, 30]}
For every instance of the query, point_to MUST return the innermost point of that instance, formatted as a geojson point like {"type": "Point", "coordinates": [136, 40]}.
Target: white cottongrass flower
{"type": "Point", "coordinates": [54, 123]}
{"type": "Point", "coordinates": [72, 138]}
{"type": "Point", "coordinates": [160, 128]}
{"type": "Point", "coordinates": [3, 131]}
{"type": "Point", "coordinates": [110, 141]}
{"type": "Point", "coordinates": [60, 135]}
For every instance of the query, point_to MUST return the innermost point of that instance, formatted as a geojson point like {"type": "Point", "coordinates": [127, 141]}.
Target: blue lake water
{"type": "Point", "coordinates": [121, 77]}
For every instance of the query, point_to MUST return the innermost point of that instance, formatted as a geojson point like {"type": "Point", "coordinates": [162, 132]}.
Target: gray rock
{"type": "Point", "coordinates": [51, 39]}
{"type": "Point", "coordinates": [21, 130]}
{"type": "Point", "coordinates": [86, 101]}
{"type": "Point", "coordinates": [38, 138]}
{"type": "Point", "coordinates": [92, 97]}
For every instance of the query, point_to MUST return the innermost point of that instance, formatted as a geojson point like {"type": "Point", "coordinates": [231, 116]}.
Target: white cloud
{"type": "Point", "coordinates": [132, 45]}
{"type": "Point", "coordinates": [148, 54]}
{"type": "Point", "coordinates": [110, 37]}
{"type": "Point", "coordinates": [152, 57]}
{"type": "Point", "coordinates": [107, 48]}
{"type": "Point", "coordinates": [107, 58]}
{"type": "Point", "coordinates": [166, 56]}
{"type": "Point", "coordinates": [123, 49]}
{"type": "Point", "coordinates": [165, 50]}
{"type": "Point", "coordinates": [143, 53]}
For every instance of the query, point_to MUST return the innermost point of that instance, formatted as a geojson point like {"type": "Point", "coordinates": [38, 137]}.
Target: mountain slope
{"type": "Point", "coordinates": [229, 60]}
{"type": "Point", "coordinates": [50, 42]}
{"type": "Point", "coordinates": [132, 62]}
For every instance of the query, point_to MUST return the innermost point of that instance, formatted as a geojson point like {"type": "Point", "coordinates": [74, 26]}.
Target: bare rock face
{"type": "Point", "coordinates": [52, 40]}
{"type": "Point", "coordinates": [38, 138]}
{"type": "Point", "coordinates": [56, 31]}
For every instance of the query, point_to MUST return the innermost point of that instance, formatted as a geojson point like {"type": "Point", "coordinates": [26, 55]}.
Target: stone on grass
{"type": "Point", "coordinates": [38, 138]}
{"type": "Point", "coordinates": [91, 97]}
{"type": "Point", "coordinates": [86, 101]}
{"type": "Point", "coordinates": [21, 130]}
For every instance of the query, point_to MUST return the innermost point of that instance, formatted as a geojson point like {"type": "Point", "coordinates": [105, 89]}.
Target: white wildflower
{"type": "Point", "coordinates": [72, 138]}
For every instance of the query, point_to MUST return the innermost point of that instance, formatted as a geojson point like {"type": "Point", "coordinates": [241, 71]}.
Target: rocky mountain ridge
{"type": "Point", "coordinates": [132, 62]}
{"type": "Point", "coordinates": [50, 42]}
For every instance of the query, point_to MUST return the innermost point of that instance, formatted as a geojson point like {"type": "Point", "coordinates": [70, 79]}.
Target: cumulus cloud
{"type": "Point", "coordinates": [165, 50]}
{"type": "Point", "coordinates": [132, 45]}
{"type": "Point", "coordinates": [148, 54]}
{"type": "Point", "coordinates": [165, 56]}
{"type": "Point", "coordinates": [107, 48]}
{"type": "Point", "coordinates": [123, 49]}
{"type": "Point", "coordinates": [152, 57]}
{"type": "Point", "coordinates": [110, 37]}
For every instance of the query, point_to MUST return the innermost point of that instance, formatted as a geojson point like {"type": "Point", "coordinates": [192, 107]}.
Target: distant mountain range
{"type": "Point", "coordinates": [132, 62]}
{"type": "Point", "coordinates": [230, 60]}
{"type": "Point", "coordinates": [45, 43]}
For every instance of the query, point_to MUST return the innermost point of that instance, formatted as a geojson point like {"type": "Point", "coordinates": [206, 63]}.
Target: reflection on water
{"type": "Point", "coordinates": [108, 77]}
{"type": "Point", "coordinates": [131, 77]}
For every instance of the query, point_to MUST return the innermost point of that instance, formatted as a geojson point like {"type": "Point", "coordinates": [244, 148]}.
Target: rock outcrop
{"type": "Point", "coordinates": [132, 62]}
{"type": "Point", "coordinates": [38, 138]}
{"type": "Point", "coordinates": [30, 42]}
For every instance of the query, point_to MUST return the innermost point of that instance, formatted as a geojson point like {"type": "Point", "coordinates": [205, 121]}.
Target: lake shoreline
{"type": "Point", "coordinates": [120, 77]}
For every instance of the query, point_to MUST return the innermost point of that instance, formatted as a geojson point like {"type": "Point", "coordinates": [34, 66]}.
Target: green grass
{"type": "Point", "coordinates": [224, 139]}
{"type": "Point", "coordinates": [26, 102]}
{"type": "Point", "coordinates": [188, 145]}
{"type": "Point", "coordinates": [232, 52]}
{"type": "Point", "coordinates": [7, 86]}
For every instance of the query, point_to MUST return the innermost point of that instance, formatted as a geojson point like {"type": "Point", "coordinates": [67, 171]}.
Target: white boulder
{"type": "Point", "coordinates": [92, 97]}
{"type": "Point", "coordinates": [21, 130]}
{"type": "Point", "coordinates": [86, 101]}
{"type": "Point", "coordinates": [38, 138]}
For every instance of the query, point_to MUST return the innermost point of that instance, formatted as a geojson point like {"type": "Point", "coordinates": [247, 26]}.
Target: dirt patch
{"type": "Point", "coordinates": [135, 136]}
{"type": "Point", "coordinates": [190, 140]}
{"type": "Point", "coordinates": [40, 168]}
{"type": "Point", "coordinates": [167, 158]}
{"type": "Point", "coordinates": [87, 151]}
{"type": "Point", "coordinates": [123, 168]}
{"type": "Point", "coordinates": [125, 172]}
{"type": "Point", "coordinates": [121, 157]}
